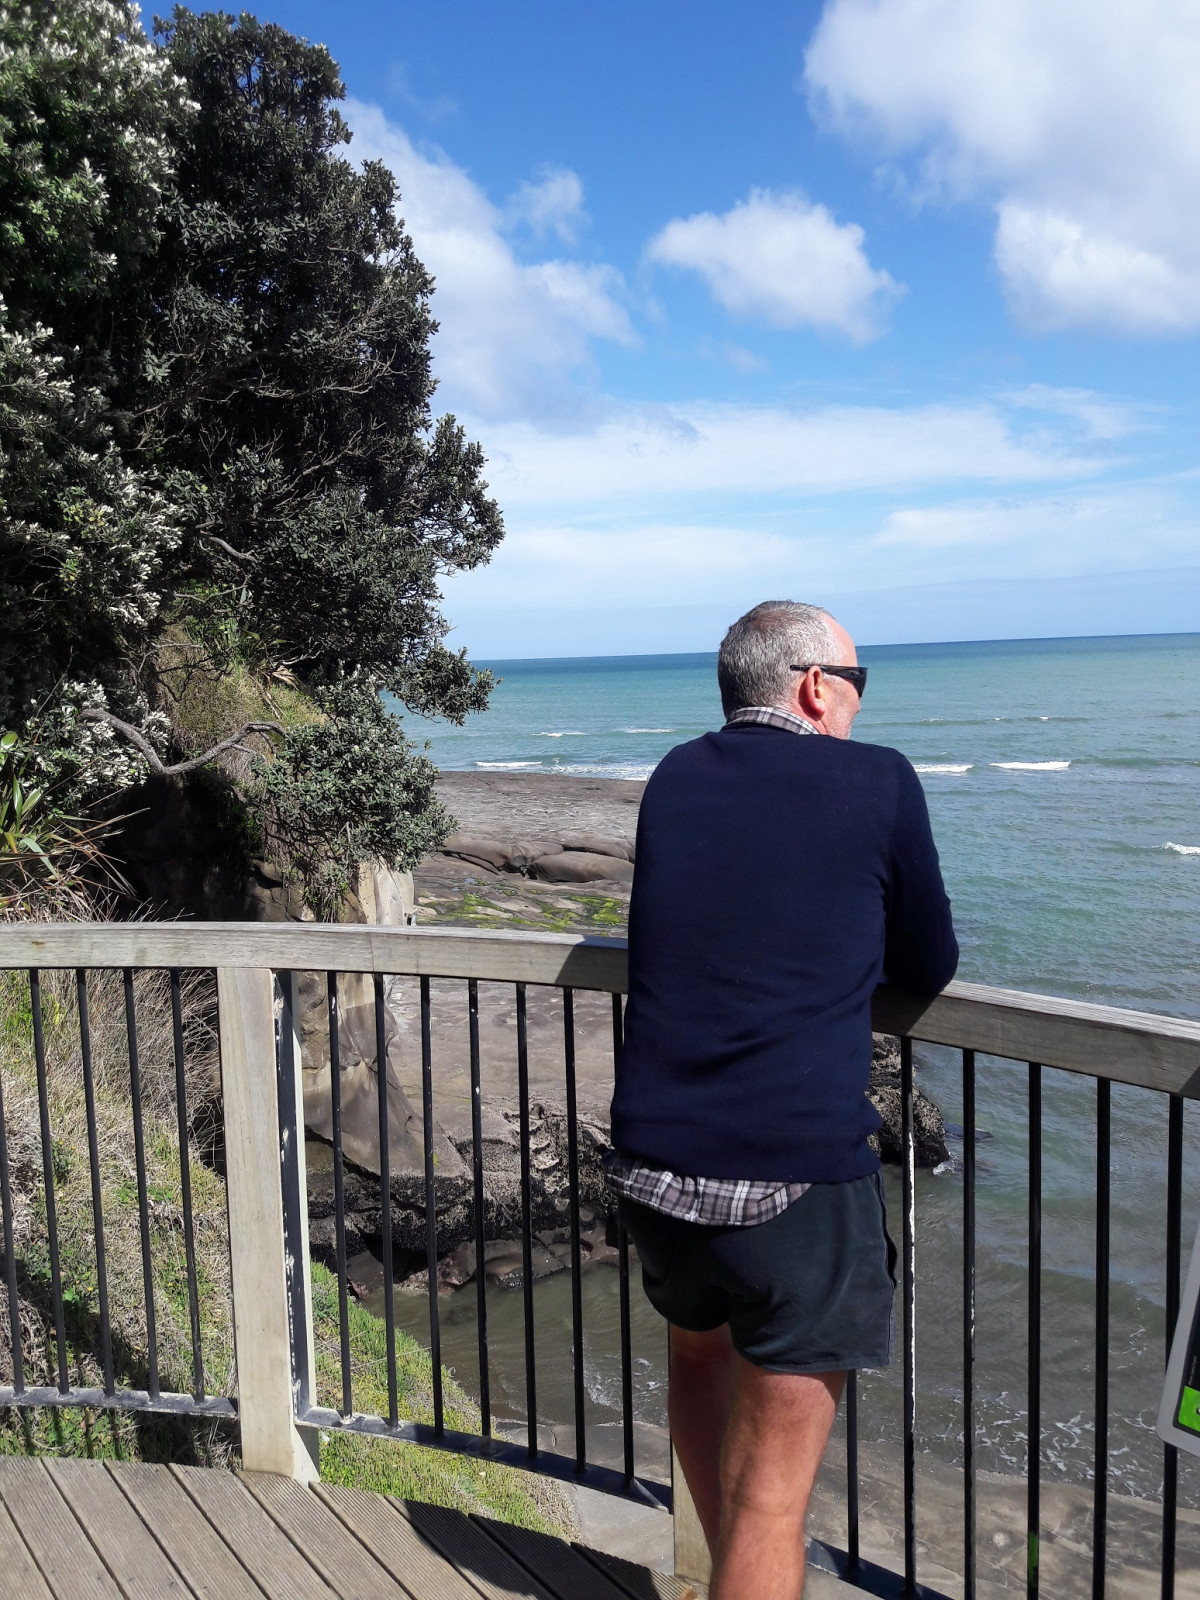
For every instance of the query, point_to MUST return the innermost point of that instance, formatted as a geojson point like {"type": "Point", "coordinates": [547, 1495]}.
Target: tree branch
{"type": "Point", "coordinates": [238, 555]}
{"type": "Point", "coordinates": [155, 762]}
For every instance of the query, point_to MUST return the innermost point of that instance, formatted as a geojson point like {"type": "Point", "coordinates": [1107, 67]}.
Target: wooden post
{"type": "Point", "coordinates": [271, 1441]}
{"type": "Point", "coordinates": [693, 1562]}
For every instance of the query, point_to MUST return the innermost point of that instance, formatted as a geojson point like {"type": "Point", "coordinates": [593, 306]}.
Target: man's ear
{"type": "Point", "coordinates": [811, 693]}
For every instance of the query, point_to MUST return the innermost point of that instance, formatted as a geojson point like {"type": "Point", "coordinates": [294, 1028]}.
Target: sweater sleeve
{"type": "Point", "coordinates": [920, 950]}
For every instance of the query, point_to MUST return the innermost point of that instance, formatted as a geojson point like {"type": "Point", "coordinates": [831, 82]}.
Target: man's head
{"type": "Point", "coordinates": [758, 654]}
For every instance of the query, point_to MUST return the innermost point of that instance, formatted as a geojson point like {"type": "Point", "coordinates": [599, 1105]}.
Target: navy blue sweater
{"type": "Point", "coordinates": [780, 877]}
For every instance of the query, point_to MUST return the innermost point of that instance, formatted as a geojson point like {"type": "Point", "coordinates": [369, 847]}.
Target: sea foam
{"type": "Point", "coordinates": [647, 730]}
{"type": "Point", "coordinates": [1032, 766]}
{"type": "Point", "coordinates": [943, 766]}
{"type": "Point", "coordinates": [568, 733]}
{"type": "Point", "coordinates": [506, 766]}
{"type": "Point", "coordinates": [1183, 849]}
{"type": "Point", "coordinates": [616, 769]}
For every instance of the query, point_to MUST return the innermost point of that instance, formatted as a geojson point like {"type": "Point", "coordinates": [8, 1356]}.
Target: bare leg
{"type": "Point", "coordinates": [777, 1432]}
{"type": "Point", "coordinates": [701, 1394]}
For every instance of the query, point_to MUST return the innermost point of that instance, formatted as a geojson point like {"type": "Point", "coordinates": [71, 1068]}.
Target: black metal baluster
{"type": "Point", "coordinates": [910, 1329]}
{"type": "Point", "coordinates": [852, 1514]}
{"type": "Point", "coordinates": [1103, 1213]}
{"type": "Point", "coordinates": [1174, 1245]}
{"type": "Point", "coordinates": [39, 1051]}
{"type": "Point", "coordinates": [1033, 1507]}
{"type": "Point", "coordinates": [576, 1248]}
{"type": "Point", "coordinates": [339, 1189]}
{"type": "Point", "coordinates": [143, 1187]}
{"type": "Point", "coordinates": [623, 1280]}
{"type": "Point", "coordinates": [526, 1221]}
{"type": "Point", "coordinates": [385, 1197]}
{"type": "Point", "coordinates": [431, 1255]}
{"type": "Point", "coordinates": [89, 1099]}
{"type": "Point", "coordinates": [485, 1390]}
{"type": "Point", "coordinates": [968, 1059]}
{"type": "Point", "coordinates": [10, 1258]}
{"type": "Point", "coordinates": [185, 1184]}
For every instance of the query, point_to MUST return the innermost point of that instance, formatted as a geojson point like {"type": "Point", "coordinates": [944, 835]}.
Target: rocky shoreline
{"type": "Point", "coordinates": [550, 1210]}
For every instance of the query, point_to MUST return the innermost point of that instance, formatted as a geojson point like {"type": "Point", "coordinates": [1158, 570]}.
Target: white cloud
{"type": "Point", "coordinates": [1098, 415]}
{"type": "Point", "coordinates": [1078, 119]}
{"type": "Point", "coordinates": [642, 557]}
{"type": "Point", "coordinates": [1111, 529]}
{"type": "Point", "coordinates": [552, 205]}
{"type": "Point", "coordinates": [513, 336]}
{"type": "Point", "coordinates": [640, 453]}
{"type": "Point", "coordinates": [636, 562]}
{"type": "Point", "coordinates": [779, 259]}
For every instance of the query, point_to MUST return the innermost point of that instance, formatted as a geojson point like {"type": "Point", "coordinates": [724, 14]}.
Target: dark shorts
{"type": "Point", "coordinates": [809, 1291]}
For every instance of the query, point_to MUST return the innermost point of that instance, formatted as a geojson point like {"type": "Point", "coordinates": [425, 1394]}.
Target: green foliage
{"type": "Point", "coordinates": [40, 846]}
{"type": "Point", "coordinates": [407, 1470]}
{"type": "Point", "coordinates": [87, 107]}
{"type": "Point", "coordinates": [215, 416]}
{"type": "Point", "coordinates": [348, 787]}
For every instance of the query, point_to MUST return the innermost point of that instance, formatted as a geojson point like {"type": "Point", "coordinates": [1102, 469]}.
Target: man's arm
{"type": "Point", "coordinates": [920, 950]}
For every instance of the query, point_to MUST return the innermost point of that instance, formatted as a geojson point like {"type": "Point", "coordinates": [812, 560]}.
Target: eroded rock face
{"type": "Point", "coordinates": [929, 1130]}
{"type": "Point", "coordinates": [581, 866]}
{"type": "Point", "coordinates": [385, 899]}
{"type": "Point", "coordinates": [572, 858]}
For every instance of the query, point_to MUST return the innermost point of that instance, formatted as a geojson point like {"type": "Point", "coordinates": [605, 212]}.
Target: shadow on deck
{"type": "Point", "coordinates": [88, 1530]}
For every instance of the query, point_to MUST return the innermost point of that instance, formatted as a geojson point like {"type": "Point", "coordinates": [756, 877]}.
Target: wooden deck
{"type": "Point", "coordinates": [86, 1530]}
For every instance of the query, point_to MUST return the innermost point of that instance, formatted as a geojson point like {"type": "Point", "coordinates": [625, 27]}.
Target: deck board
{"type": "Point", "coordinates": [563, 1570]}
{"type": "Point", "coordinates": [120, 1537]}
{"type": "Point", "coordinates": [55, 1540]}
{"type": "Point", "coordinates": [267, 1553]}
{"type": "Point", "coordinates": [343, 1560]}
{"type": "Point", "coordinates": [496, 1574]}
{"type": "Point", "coordinates": [92, 1530]}
{"type": "Point", "coordinates": [22, 1580]}
{"type": "Point", "coordinates": [642, 1583]}
{"type": "Point", "coordinates": [195, 1547]}
{"type": "Point", "coordinates": [396, 1544]}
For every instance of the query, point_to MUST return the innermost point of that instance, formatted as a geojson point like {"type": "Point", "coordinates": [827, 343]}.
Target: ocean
{"type": "Point", "coordinates": [1063, 780]}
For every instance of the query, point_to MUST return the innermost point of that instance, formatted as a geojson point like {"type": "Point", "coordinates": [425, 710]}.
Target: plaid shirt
{"type": "Point", "coordinates": [717, 1202]}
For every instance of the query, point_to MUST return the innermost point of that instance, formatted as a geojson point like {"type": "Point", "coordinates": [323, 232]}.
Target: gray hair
{"type": "Point", "coordinates": [756, 656]}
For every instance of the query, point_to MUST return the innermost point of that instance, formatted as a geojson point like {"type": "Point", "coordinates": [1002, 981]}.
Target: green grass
{"type": "Point", "coordinates": [407, 1470]}
{"type": "Point", "coordinates": [592, 912]}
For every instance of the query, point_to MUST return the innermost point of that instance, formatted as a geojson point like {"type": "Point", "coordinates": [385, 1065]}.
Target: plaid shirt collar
{"type": "Point", "coordinates": [771, 717]}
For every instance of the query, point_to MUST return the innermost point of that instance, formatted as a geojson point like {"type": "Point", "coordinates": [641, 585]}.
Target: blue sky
{"type": "Point", "coordinates": [888, 304]}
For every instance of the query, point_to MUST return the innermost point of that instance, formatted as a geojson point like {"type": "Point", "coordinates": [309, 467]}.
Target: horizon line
{"type": "Point", "coordinates": [896, 644]}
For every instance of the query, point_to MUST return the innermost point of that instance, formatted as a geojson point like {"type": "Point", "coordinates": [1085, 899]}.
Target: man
{"type": "Point", "coordinates": [782, 872]}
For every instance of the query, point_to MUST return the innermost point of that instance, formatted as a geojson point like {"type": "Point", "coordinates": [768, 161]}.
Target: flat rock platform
{"type": "Point", "coordinates": [90, 1530]}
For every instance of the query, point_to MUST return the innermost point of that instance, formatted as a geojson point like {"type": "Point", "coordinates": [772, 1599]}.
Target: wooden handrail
{"type": "Point", "coordinates": [1143, 1048]}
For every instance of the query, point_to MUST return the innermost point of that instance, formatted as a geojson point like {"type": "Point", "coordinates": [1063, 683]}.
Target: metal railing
{"type": "Point", "coordinates": [256, 966]}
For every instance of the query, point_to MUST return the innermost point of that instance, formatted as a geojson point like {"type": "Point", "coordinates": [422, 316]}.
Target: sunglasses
{"type": "Point", "coordinates": [855, 675]}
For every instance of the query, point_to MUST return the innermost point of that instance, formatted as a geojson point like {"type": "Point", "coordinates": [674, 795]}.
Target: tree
{"type": "Point", "coordinates": [88, 109]}
{"type": "Point", "coordinates": [249, 375]}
